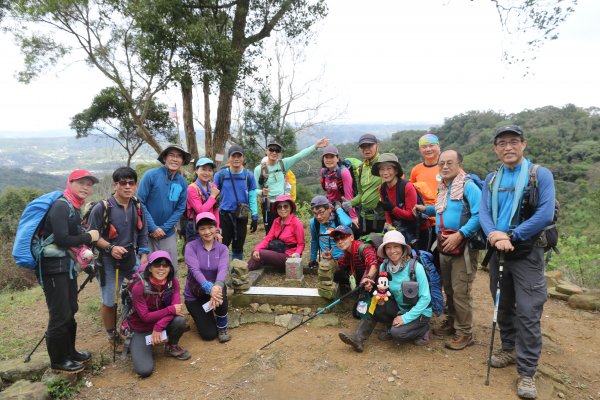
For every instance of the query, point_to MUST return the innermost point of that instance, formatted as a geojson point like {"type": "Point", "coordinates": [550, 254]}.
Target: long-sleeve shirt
{"type": "Point", "coordinates": [205, 265]}
{"type": "Point", "coordinates": [410, 200]}
{"type": "Point", "coordinates": [322, 239]}
{"type": "Point", "coordinates": [358, 262]}
{"type": "Point", "coordinates": [525, 230]}
{"type": "Point", "coordinates": [275, 177]}
{"type": "Point", "coordinates": [368, 188]}
{"type": "Point", "coordinates": [423, 306]}
{"type": "Point", "coordinates": [199, 200]}
{"type": "Point", "coordinates": [125, 220]}
{"type": "Point", "coordinates": [454, 210]}
{"type": "Point", "coordinates": [243, 183]}
{"type": "Point", "coordinates": [334, 189]}
{"type": "Point", "coordinates": [150, 311]}
{"type": "Point", "coordinates": [163, 196]}
{"type": "Point", "coordinates": [291, 233]}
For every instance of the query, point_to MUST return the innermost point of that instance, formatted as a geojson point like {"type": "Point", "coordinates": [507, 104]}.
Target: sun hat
{"type": "Point", "coordinates": [387, 158]}
{"type": "Point", "coordinates": [393, 237]}
{"type": "Point", "coordinates": [280, 199]}
{"type": "Point", "coordinates": [82, 173]}
{"type": "Point", "coordinates": [187, 157]}
{"type": "Point", "coordinates": [205, 161]}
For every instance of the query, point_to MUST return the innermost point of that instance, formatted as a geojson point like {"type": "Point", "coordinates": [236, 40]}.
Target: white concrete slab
{"type": "Point", "coordinates": [282, 291]}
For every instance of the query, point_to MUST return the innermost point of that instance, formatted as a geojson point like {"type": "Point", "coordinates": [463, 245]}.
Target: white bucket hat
{"type": "Point", "coordinates": [393, 237]}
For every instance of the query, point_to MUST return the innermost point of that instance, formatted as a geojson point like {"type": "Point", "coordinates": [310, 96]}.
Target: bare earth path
{"type": "Point", "coordinates": [312, 363]}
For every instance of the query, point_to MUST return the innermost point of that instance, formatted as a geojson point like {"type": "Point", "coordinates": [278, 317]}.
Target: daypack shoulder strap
{"type": "Point", "coordinates": [411, 269]}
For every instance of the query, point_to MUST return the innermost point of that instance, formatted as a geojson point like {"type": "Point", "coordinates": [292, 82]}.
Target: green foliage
{"type": "Point", "coordinates": [303, 194]}
{"type": "Point", "coordinates": [62, 389]}
{"type": "Point", "coordinates": [18, 178]}
{"type": "Point", "coordinates": [12, 204]}
{"type": "Point", "coordinates": [303, 211]}
{"type": "Point", "coordinates": [578, 258]}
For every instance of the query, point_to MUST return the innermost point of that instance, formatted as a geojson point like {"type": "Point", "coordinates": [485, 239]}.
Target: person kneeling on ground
{"type": "Point", "coordinates": [410, 322]}
{"type": "Point", "coordinates": [205, 293]}
{"type": "Point", "coordinates": [285, 239]}
{"type": "Point", "coordinates": [157, 311]}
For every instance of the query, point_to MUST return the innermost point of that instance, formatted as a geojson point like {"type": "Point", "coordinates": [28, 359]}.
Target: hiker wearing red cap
{"type": "Point", "coordinates": [63, 220]}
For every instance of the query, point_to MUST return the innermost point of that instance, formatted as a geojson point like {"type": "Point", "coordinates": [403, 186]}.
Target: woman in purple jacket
{"type": "Point", "coordinates": [157, 311]}
{"type": "Point", "coordinates": [205, 293]}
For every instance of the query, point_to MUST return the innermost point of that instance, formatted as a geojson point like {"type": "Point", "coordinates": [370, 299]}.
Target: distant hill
{"type": "Point", "coordinates": [16, 177]}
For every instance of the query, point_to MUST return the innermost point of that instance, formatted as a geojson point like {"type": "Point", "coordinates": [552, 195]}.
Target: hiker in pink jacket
{"type": "Point", "coordinates": [202, 197]}
{"type": "Point", "coordinates": [285, 239]}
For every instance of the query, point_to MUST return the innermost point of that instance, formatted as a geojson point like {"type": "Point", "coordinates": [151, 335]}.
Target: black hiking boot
{"type": "Point", "coordinates": [352, 341]}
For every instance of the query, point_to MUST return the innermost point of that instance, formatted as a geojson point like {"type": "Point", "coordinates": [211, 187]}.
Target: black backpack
{"type": "Point", "coordinates": [407, 228]}
{"type": "Point", "coordinates": [345, 163]}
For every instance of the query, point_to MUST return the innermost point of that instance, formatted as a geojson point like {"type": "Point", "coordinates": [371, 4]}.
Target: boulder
{"type": "Point", "coordinates": [15, 369]}
{"type": "Point", "coordinates": [234, 318]}
{"type": "Point", "coordinates": [254, 307]}
{"type": "Point", "coordinates": [295, 321]}
{"type": "Point", "coordinates": [328, 293]}
{"type": "Point", "coordinates": [553, 293]}
{"type": "Point", "coordinates": [24, 389]}
{"type": "Point", "coordinates": [248, 318]}
{"type": "Point", "coordinates": [568, 288]}
{"type": "Point", "coordinates": [265, 308]}
{"type": "Point", "coordinates": [283, 320]}
{"type": "Point", "coordinates": [589, 302]}
{"type": "Point", "coordinates": [280, 310]}
{"type": "Point", "coordinates": [552, 278]}
{"type": "Point", "coordinates": [325, 320]}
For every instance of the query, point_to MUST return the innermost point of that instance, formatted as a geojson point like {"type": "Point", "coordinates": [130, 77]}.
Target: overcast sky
{"type": "Point", "coordinates": [383, 61]}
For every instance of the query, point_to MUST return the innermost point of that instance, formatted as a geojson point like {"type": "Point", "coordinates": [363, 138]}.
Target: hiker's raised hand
{"type": "Point", "coordinates": [321, 143]}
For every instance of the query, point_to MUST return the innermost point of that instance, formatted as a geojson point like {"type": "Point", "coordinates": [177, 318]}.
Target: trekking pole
{"type": "Point", "coordinates": [115, 311]}
{"type": "Point", "coordinates": [495, 319]}
{"type": "Point", "coordinates": [314, 316]}
{"type": "Point", "coordinates": [28, 358]}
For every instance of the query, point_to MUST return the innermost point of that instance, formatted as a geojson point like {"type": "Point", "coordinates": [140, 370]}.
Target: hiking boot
{"type": "Point", "coordinates": [175, 350]}
{"type": "Point", "coordinates": [459, 342]}
{"type": "Point", "coordinates": [503, 358]}
{"type": "Point", "coordinates": [385, 335]}
{"type": "Point", "coordinates": [352, 341]}
{"type": "Point", "coordinates": [223, 335]}
{"type": "Point", "coordinates": [423, 340]}
{"type": "Point", "coordinates": [445, 329]}
{"type": "Point", "coordinates": [526, 387]}
{"type": "Point", "coordinates": [67, 367]}
{"type": "Point", "coordinates": [81, 356]}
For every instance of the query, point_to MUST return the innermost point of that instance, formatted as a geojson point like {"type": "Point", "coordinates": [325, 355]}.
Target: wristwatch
{"type": "Point", "coordinates": [108, 249]}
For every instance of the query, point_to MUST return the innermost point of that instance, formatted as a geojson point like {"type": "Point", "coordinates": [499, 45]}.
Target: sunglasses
{"type": "Point", "coordinates": [162, 264]}
{"type": "Point", "coordinates": [339, 238]}
{"type": "Point", "coordinates": [274, 149]}
{"type": "Point", "coordinates": [126, 183]}
{"type": "Point", "coordinates": [284, 206]}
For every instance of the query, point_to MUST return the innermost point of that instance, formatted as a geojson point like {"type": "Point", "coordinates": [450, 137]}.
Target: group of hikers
{"type": "Point", "coordinates": [440, 209]}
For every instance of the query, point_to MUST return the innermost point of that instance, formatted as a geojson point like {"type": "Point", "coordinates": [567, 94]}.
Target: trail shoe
{"type": "Point", "coordinates": [445, 329]}
{"type": "Point", "coordinates": [67, 367]}
{"type": "Point", "coordinates": [503, 358]}
{"type": "Point", "coordinates": [175, 350]}
{"type": "Point", "coordinates": [422, 341]}
{"type": "Point", "coordinates": [352, 341]}
{"type": "Point", "coordinates": [526, 387]}
{"type": "Point", "coordinates": [385, 335]}
{"type": "Point", "coordinates": [458, 342]}
{"type": "Point", "coordinates": [223, 335]}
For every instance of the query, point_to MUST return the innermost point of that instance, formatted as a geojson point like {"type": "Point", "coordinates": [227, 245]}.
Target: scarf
{"type": "Point", "coordinates": [456, 192]}
{"type": "Point", "coordinates": [520, 184]}
{"type": "Point", "coordinates": [73, 197]}
{"type": "Point", "coordinates": [205, 193]}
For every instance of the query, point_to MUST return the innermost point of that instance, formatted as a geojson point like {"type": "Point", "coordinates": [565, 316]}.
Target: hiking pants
{"type": "Point", "coordinates": [367, 226]}
{"type": "Point", "coordinates": [107, 292]}
{"type": "Point", "coordinates": [413, 330]}
{"type": "Point", "coordinates": [267, 215]}
{"type": "Point", "coordinates": [168, 244]}
{"type": "Point", "coordinates": [522, 297]}
{"type": "Point", "coordinates": [268, 257]}
{"type": "Point", "coordinates": [141, 353]}
{"type": "Point", "coordinates": [234, 233]}
{"type": "Point", "coordinates": [61, 298]}
{"type": "Point", "coordinates": [206, 322]}
{"type": "Point", "coordinates": [457, 278]}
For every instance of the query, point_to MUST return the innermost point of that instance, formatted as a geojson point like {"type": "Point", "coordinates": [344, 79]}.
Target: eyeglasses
{"type": "Point", "coordinates": [127, 183]}
{"type": "Point", "coordinates": [283, 206]}
{"type": "Point", "coordinates": [319, 210]}
{"type": "Point", "coordinates": [503, 143]}
{"type": "Point", "coordinates": [175, 154]}
{"type": "Point", "coordinates": [162, 264]}
{"type": "Point", "coordinates": [274, 149]}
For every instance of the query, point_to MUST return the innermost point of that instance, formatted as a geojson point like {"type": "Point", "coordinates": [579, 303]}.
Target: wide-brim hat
{"type": "Point", "coordinates": [387, 158]}
{"type": "Point", "coordinates": [280, 199]}
{"type": "Point", "coordinates": [393, 237]}
{"type": "Point", "coordinates": [187, 157]}
{"type": "Point", "coordinates": [81, 174]}
{"type": "Point", "coordinates": [205, 215]}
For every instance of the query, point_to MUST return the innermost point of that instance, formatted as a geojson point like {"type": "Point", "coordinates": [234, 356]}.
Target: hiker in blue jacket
{"type": "Point", "coordinates": [521, 238]}
{"type": "Point", "coordinates": [327, 218]}
{"type": "Point", "coordinates": [238, 202]}
{"type": "Point", "coordinates": [163, 193]}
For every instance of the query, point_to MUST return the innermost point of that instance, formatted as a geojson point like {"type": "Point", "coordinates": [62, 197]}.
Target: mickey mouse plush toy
{"type": "Point", "coordinates": [382, 294]}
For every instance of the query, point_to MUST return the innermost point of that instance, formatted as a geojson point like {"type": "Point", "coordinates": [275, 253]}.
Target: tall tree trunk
{"type": "Point", "coordinates": [208, 139]}
{"type": "Point", "coordinates": [144, 133]}
{"type": "Point", "coordinates": [188, 117]}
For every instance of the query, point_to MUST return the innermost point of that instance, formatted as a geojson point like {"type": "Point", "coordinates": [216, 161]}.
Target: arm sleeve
{"type": "Point", "coordinates": [223, 264]}
{"type": "Point", "coordinates": [289, 162]}
{"type": "Point", "coordinates": [544, 213]}
{"type": "Point", "coordinates": [142, 195]}
{"type": "Point", "coordinates": [252, 202]}
{"type": "Point", "coordinates": [348, 192]}
{"type": "Point", "coordinates": [430, 210]}
{"type": "Point", "coordinates": [370, 256]}
{"type": "Point", "coordinates": [179, 208]}
{"type": "Point", "coordinates": [191, 260]}
{"type": "Point", "coordinates": [314, 240]}
{"type": "Point", "coordinates": [473, 196]}
{"type": "Point", "coordinates": [343, 217]}
{"type": "Point", "coordinates": [59, 220]}
{"type": "Point", "coordinates": [424, 296]}
{"type": "Point", "coordinates": [485, 211]}
{"type": "Point", "coordinates": [410, 200]}
{"type": "Point", "coordinates": [344, 261]}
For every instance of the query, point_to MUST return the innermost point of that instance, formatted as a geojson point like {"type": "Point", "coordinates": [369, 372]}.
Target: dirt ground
{"type": "Point", "coordinates": [312, 363]}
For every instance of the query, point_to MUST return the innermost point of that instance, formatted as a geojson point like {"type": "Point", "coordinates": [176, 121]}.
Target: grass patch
{"type": "Point", "coordinates": [12, 301]}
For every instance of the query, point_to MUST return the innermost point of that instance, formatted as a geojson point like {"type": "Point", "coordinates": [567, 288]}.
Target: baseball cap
{"type": "Point", "coordinates": [367, 138]}
{"type": "Point", "coordinates": [509, 129]}
{"type": "Point", "coordinates": [205, 215]}
{"type": "Point", "coordinates": [205, 161]}
{"type": "Point", "coordinates": [274, 143]}
{"type": "Point", "coordinates": [330, 150]}
{"type": "Point", "coordinates": [235, 149]}
{"type": "Point", "coordinates": [341, 230]}
{"type": "Point", "coordinates": [82, 173]}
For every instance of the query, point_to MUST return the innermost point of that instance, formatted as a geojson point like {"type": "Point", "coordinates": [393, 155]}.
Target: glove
{"type": "Point", "coordinates": [95, 235]}
{"type": "Point", "coordinates": [387, 205]}
{"type": "Point", "coordinates": [347, 206]}
{"type": "Point", "coordinates": [313, 264]}
{"type": "Point", "coordinates": [253, 225]}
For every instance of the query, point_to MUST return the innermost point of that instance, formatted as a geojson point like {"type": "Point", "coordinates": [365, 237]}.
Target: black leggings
{"type": "Point", "coordinates": [206, 322]}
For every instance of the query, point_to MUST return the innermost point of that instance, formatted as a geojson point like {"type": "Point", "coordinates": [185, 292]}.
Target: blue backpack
{"type": "Point", "coordinates": [435, 281]}
{"type": "Point", "coordinates": [29, 245]}
{"type": "Point", "coordinates": [479, 240]}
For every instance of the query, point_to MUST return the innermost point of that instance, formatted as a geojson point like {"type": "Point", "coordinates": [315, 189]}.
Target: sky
{"type": "Point", "coordinates": [410, 61]}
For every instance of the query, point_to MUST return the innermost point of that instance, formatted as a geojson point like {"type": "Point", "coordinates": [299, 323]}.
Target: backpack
{"type": "Point", "coordinates": [479, 240]}
{"type": "Point", "coordinates": [29, 245]}
{"type": "Point", "coordinates": [351, 164]}
{"type": "Point", "coordinates": [290, 183]}
{"type": "Point", "coordinates": [107, 227]}
{"type": "Point", "coordinates": [407, 228]}
{"type": "Point", "coordinates": [433, 277]}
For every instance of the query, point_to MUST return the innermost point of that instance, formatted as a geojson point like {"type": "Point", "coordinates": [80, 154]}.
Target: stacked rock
{"type": "Point", "coordinates": [327, 288]}
{"type": "Point", "coordinates": [239, 276]}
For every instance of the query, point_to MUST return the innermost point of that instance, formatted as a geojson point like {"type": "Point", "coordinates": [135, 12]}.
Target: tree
{"type": "Point", "coordinates": [108, 116]}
